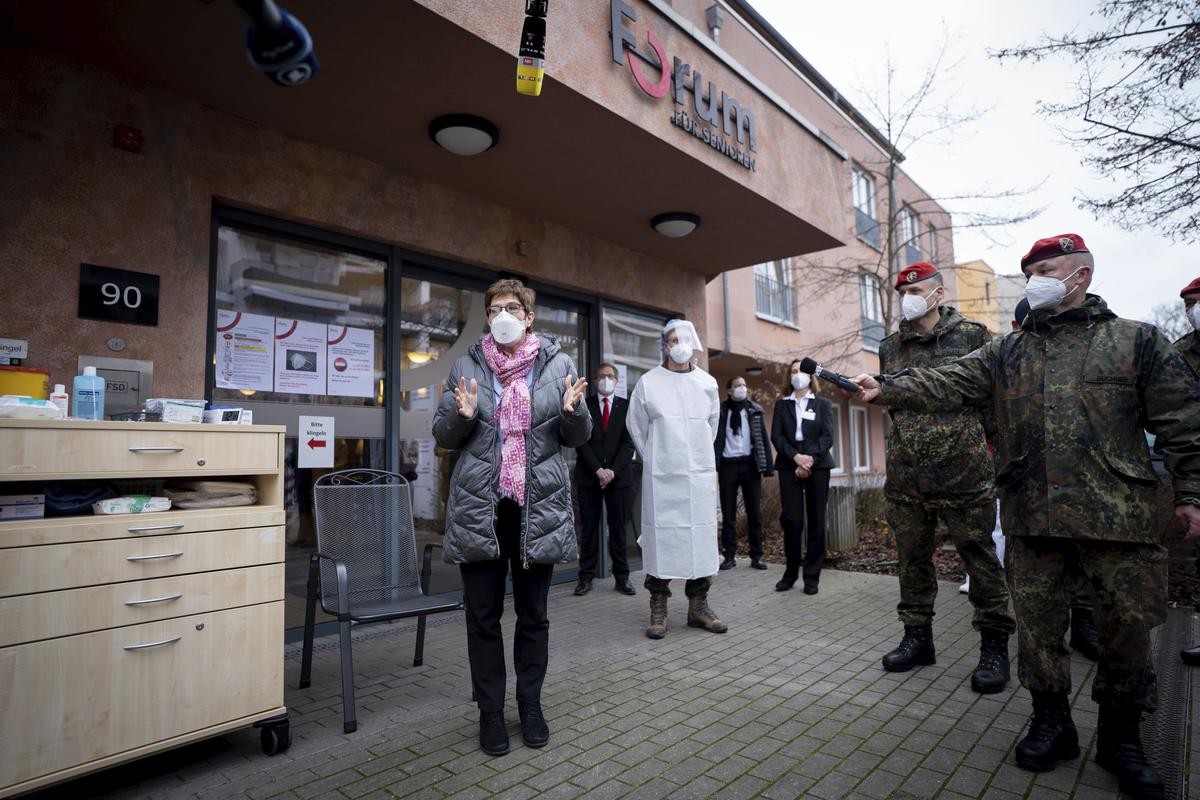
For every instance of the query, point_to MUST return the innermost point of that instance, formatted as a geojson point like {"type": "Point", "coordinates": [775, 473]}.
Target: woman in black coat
{"type": "Point", "coordinates": [802, 433]}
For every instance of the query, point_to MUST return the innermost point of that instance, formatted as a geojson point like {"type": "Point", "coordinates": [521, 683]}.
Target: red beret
{"type": "Point", "coordinates": [1053, 246]}
{"type": "Point", "coordinates": [915, 272]}
{"type": "Point", "coordinates": [1194, 286]}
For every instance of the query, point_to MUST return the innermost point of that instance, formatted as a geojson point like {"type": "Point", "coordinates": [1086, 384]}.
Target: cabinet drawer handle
{"type": "Point", "coordinates": [145, 528]}
{"type": "Point", "coordinates": [176, 554]}
{"type": "Point", "coordinates": [162, 599]}
{"type": "Point", "coordinates": [172, 640]}
{"type": "Point", "coordinates": [156, 449]}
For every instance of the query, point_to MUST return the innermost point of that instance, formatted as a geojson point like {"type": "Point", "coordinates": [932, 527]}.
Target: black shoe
{"type": "Point", "coordinates": [493, 736]}
{"type": "Point", "coordinates": [1191, 656]}
{"type": "Point", "coordinates": [1119, 750]}
{"type": "Point", "coordinates": [728, 563]}
{"type": "Point", "coordinates": [625, 586]}
{"type": "Point", "coordinates": [1052, 736]}
{"type": "Point", "coordinates": [784, 584]}
{"type": "Point", "coordinates": [914, 650]}
{"type": "Point", "coordinates": [1084, 638]}
{"type": "Point", "coordinates": [757, 563]}
{"type": "Point", "coordinates": [534, 729]}
{"type": "Point", "coordinates": [991, 674]}
{"type": "Point", "coordinates": [810, 588]}
{"type": "Point", "coordinates": [583, 587]}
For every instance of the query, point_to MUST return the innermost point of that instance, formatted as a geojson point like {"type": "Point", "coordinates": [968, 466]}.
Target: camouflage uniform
{"type": "Point", "coordinates": [938, 465]}
{"type": "Point", "coordinates": [1189, 347]}
{"type": "Point", "coordinates": [1072, 393]}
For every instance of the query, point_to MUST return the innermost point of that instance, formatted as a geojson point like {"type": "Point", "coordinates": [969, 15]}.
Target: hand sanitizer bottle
{"type": "Point", "coordinates": [88, 395]}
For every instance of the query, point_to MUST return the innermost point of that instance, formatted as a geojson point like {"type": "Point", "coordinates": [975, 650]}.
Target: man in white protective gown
{"type": "Point", "coordinates": [672, 419]}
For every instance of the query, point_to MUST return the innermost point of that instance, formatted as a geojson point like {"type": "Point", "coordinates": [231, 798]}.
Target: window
{"type": "Point", "coordinates": [910, 244]}
{"type": "Point", "coordinates": [933, 248]}
{"type": "Point", "coordinates": [836, 451]}
{"type": "Point", "coordinates": [871, 310]}
{"type": "Point", "coordinates": [866, 226]}
{"type": "Point", "coordinates": [860, 438]}
{"type": "Point", "coordinates": [774, 297]}
{"type": "Point", "coordinates": [987, 292]}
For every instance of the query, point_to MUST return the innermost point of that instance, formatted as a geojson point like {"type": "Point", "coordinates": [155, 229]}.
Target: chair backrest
{"type": "Point", "coordinates": [364, 518]}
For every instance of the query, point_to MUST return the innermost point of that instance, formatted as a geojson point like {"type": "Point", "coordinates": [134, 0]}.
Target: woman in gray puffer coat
{"type": "Point", "coordinates": [510, 406]}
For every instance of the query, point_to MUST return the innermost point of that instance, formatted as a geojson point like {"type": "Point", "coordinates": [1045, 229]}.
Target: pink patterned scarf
{"type": "Point", "coordinates": [514, 416]}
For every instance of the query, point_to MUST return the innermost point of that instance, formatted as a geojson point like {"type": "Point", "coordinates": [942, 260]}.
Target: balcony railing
{"type": "Point", "coordinates": [866, 228]}
{"type": "Point", "coordinates": [774, 299]}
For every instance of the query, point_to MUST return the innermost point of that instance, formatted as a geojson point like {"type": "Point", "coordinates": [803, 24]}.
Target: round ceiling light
{"type": "Point", "coordinates": [675, 224]}
{"type": "Point", "coordinates": [464, 134]}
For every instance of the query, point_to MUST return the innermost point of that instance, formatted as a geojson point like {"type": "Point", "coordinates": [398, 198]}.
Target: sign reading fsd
{"type": "Point", "coordinates": [725, 115]}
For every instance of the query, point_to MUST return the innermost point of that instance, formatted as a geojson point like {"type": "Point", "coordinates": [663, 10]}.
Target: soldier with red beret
{"type": "Point", "coordinates": [1072, 391]}
{"type": "Point", "coordinates": [939, 467]}
{"type": "Point", "coordinates": [1189, 347]}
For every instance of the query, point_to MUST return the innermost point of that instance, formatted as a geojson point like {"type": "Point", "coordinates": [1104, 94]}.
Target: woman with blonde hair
{"type": "Point", "coordinates": [802, 434]}
{"type": "Point", "coordinates": [509, 407]}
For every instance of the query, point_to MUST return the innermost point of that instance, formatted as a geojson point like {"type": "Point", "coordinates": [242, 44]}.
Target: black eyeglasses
{"type": "Point", "coordinates": [516, 309]}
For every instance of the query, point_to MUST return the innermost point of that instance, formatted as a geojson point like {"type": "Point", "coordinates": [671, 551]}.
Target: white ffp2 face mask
{"type": "Point", "coordinates": [680, 353]}
{"type": "Point", "coordinates": [914, 306]}
{"type": "Point", "coordinates": [1044, 292]}
{"type": "Point", "coordinates": [739, 393]}
{"type": "Point", "coordinates": [801, 380]}
{"type": "Point", "coordinates": [506, 328]}
{"type": "Point", "coordinates": [606, 386]}
{"type": "Point", "coordinates": [1193, 315]}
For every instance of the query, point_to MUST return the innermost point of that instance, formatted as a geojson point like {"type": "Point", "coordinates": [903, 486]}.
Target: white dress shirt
{"type": "Point", "coordinates": [801, 407]}
{"type": "Point", "coordinates": [737, 446]}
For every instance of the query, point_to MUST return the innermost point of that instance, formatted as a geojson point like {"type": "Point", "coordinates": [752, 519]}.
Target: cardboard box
{"type": "Point", "coordinates": [23, 511]}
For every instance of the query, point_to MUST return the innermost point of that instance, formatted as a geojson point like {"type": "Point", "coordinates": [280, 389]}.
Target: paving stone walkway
{"type": "Point", "coordinates": [791, 702]}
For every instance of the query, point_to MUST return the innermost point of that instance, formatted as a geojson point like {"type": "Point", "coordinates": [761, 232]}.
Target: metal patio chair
{"type": "Point", "coordinates": [365, 568]}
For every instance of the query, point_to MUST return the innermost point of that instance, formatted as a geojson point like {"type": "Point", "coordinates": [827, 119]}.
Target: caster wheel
{"type": "Point", "coordinates": [276, 738]}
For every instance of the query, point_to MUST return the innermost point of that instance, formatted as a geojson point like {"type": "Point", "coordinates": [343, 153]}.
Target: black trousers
{"type": "Point", "coordinates": [803, 500]}
{"type": "Point", "coordinates": [483, 595]}
{"type": "Point", "coordinates": [733, 475]}
{"type": "Point", "coordinates": [593, 501]}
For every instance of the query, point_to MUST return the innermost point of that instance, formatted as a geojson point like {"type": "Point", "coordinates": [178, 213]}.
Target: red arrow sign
{"type": "Point", "coordinates": [316, 442]}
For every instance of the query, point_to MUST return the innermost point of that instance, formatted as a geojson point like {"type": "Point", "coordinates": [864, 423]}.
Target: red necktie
{"type": "Point", "coordinates": [604, 415]}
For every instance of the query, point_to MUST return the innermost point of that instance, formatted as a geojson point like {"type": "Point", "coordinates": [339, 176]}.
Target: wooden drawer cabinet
{"type": "Point", "coordinates": [124, 635]}
{"type": "Point", "coordinates": [70, 701]}
{"type": "Point", "coordinates": [31, 617]}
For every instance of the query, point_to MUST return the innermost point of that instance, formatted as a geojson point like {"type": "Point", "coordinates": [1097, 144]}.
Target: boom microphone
{"type": "Point", "coordinates": [531, 56]}
{"type": "Point", "coordinates": [277, 43]}
{"type": "Point", "coordinates": [813, 368]}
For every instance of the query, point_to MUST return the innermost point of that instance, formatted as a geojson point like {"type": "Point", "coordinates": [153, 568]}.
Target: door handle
{"type": "Point", "coordinates": [162, 599]}
{"type": "Point", "coordinates": [172, 640]}
{"type": "Point", "coordinates": [176, 554]}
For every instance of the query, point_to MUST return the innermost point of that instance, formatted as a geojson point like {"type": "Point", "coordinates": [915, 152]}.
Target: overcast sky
{"type": "Point", "coordinates": [1011, 146]}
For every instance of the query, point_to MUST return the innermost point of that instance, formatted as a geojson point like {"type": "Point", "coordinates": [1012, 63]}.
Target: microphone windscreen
{"type": "Point", "coordinates": [807, 365]}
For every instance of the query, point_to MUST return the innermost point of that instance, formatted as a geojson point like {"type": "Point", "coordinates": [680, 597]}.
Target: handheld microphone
{"type": "Point", "coordinates": [278, 44]}
{"type": "Point", "coordinates": [813, 368]}
{"type": "Point", "coordinates": [531, 56]}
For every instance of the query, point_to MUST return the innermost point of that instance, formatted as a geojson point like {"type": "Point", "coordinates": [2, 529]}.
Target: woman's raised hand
{"type": "Point", "coordinates": [467, 398]}
{"type": "Point", "coordinates": [573, 394]}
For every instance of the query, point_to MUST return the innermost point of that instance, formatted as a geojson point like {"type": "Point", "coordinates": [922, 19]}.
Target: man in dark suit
{"type": "Point", "coordinates": [604, 477]}
{"type": "Point", "coordinates": [802, 433]}
{"type": "Point", "coordinates": [743, 460]}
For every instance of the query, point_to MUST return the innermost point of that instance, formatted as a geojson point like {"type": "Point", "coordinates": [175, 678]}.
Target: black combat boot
{"type": "Point", "coordinates": [534, 729]}
{"type": "Point", "coordinates": [991, 674]}
{"type": "Point", "coordinates": [1119, 750]}
{"type": "Point", "coordinates": [1084, 639]}
{"type": "Point", "coordinates": [1052, 737]}
{"type": "Point", "coordinates": [915, 650]}
{"type": "Point", "coordinates": [493, 736]}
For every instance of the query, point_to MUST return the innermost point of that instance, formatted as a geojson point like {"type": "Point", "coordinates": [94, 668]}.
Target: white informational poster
{"type": "Point", "coordinates": [622, 381]}
{"type": "Point", "coordinates": [299, 356]}
{"type": "Point", "coordinates": [245, 351]}
{"type": "Point", "coordinates": [315, 441]}
{"type": "Point", "coordinates": [351, 362]}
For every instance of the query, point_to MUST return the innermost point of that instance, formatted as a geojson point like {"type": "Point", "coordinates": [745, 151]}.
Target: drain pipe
{"type": "Point", "coordinates": [728, 319]}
